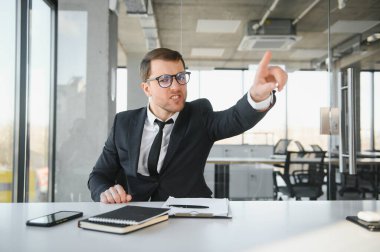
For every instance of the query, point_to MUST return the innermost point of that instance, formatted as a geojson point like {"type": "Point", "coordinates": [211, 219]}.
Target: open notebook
{"type": "Point", "coordinates": [198, 207]}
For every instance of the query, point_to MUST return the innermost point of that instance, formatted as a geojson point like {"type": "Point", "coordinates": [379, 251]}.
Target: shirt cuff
{"type": "Point", "coordinates": [263, 105]}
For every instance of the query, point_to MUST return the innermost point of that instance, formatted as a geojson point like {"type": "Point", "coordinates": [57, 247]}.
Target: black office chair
{"type": "Point", "coordinates": [368, 181]}
{"type": "Point", "coordinates": [299, 146]}
{"type": "Point", "coordinates": [316, 147]}
{"type": "Point", "coordinates": [305, 182]}
{"type": "Point", "coordinates": [281, 147]}
{"type": "Point", "coordinates": [365, 181]}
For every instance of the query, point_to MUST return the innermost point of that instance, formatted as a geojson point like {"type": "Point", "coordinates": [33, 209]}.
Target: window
{"type": "Point", "coordinates": [40, 83]}
{"type": "Point", "coordinates": [193, 86]}
{"type": "Point", "coordinates": [223, 88]}
{"type": "Point", "coordinates": [121, 89]}
{"type": "Point", "coordinates": [307, 92]}
{"type": "Point", "coordinates": [7, 97]}
{"type": "Point", "coordinates": [365, 110]}
{"type": "Point", "coordinates": [273, 126]}
{"type": "Point", "coordinates": [26, 81]}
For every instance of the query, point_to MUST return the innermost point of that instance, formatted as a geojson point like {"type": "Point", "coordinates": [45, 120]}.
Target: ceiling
{"type": "Point", "coordinates": [177, 21]}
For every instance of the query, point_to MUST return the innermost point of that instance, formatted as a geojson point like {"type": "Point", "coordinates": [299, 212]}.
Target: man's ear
{"type": "Point", "coordinates": [146, 88]}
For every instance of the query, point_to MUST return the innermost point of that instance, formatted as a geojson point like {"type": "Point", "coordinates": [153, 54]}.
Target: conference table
{"type": "Point", "coordinates": [222, 170]}
{"type": "Point", "coordinates": [255, 226]}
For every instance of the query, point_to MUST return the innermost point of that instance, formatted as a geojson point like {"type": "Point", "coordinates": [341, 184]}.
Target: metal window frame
{"type": "Point", "coordinates": [20, 153]}
{"type": "Point", "coordinates": [372, 112]}
{"type": "Point", "coordinates": [349, 124]}
{"type": "Point", "coordinates": [21, 148]}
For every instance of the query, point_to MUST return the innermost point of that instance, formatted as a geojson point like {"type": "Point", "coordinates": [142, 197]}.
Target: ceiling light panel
{"type": "Point", "coordinates": [308, 54]}
{"type": "Point", "coordinates": [207, 52]}
{"type": "Point", "coordinates": [352, 26]}
{"type": "Point", "coordinates": [217, 26]}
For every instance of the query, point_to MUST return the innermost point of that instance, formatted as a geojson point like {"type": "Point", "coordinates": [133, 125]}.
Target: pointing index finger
{"type": "Point", "coordinates": [265, 60]}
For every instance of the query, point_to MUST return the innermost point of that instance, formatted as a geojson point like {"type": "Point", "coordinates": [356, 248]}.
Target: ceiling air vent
{"type": "Point", "coordinates": [275, 34]}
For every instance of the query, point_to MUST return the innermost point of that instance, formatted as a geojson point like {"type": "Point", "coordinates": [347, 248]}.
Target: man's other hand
{"type": "Point", "coordinates": [115, 194]}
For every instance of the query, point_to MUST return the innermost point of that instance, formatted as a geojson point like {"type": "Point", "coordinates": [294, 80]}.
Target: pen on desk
{"type": "Point", "coordinates": [188, 206]}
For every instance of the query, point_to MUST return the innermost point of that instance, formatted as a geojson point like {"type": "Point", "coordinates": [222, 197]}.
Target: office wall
{"type": "Point", "coordinates": [87, 62]}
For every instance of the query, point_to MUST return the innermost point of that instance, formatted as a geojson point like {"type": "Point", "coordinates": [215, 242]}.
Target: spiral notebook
{"type": "Point", "coordinates": [125, 219]}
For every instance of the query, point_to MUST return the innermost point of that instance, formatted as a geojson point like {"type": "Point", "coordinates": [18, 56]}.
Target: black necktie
{"type": "Point", "coordinates": [154, 153]}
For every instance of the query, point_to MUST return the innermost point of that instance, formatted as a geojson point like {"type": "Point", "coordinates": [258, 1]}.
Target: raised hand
{"type": "Point", "coordinates": [267, 79]}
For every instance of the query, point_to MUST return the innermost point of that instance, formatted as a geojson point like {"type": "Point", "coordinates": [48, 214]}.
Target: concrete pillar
{"type": "Point", "coordinates": [86, 73]}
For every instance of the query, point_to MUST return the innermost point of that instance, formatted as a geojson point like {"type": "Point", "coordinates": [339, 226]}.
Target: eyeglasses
{"type": "Point", "coordinates": [166, 80]}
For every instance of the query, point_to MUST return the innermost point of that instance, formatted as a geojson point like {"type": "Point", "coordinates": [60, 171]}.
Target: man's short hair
{"type": "Point", "coordinates": [159, 53]}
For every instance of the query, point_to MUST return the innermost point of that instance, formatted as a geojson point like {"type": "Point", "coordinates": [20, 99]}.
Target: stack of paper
{"type": "Point", "coordinates": [198, 207]}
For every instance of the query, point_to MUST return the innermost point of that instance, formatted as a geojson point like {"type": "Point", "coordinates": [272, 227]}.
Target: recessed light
{"type": "Point", "coordinates": [352, 26]}
{"type": "Point", "coordinates": [217, 25]}
{"type": "Point", "coordinates": [373, 37]}
{"type": "Point", "coordinates": [207, 52]}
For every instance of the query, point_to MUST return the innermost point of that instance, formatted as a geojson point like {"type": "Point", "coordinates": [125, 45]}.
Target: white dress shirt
{"type": "Point", "coordinates": [149, 133]}
{"type": "Point", "coordinates": [151, 129]}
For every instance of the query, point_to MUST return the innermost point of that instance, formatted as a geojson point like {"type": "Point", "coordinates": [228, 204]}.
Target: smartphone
{"type": "Point", "coordinates": [54, 218]}
{"type": "Point", "coordinates": [371, 226]}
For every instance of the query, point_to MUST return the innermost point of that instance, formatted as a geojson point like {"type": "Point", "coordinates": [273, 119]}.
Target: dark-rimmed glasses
{"type": "Point", "coordinates": [166, 80]}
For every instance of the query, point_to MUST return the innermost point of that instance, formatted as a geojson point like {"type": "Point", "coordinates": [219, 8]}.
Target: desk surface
{"type": "Point", "coordinates": [259, 226]}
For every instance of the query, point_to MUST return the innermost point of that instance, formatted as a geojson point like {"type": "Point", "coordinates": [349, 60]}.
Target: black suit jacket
{"type": "Point", "coordinates": [195, 131]}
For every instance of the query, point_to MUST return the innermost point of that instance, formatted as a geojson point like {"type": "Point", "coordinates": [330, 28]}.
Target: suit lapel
{"type": "Point", "coordinates": [176, 136]}
{"type": "Point", "coordinates": [136, 128]}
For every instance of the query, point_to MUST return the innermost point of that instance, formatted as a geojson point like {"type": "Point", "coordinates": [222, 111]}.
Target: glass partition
{"type": "Point", "coordinates": [308, 91]}
{"type": "Point", "coordinates": [377, 110]}
{"type": "Point", "coordinates": [71, 105]}
{"type": "Point", "coordinates": [365, 110]}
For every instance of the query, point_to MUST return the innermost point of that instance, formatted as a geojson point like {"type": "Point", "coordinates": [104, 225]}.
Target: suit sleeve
{"type": "Point", "coordinates": [233, 121]}
{"type": "Point", "coordinates": [106, 168]}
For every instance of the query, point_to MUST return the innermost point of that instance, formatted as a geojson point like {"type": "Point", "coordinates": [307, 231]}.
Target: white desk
{"type": "Point", "coordinates": [255, 226]}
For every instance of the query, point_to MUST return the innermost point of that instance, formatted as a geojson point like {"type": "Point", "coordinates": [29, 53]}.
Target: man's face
{"type": "Point", "coordinates": [165, 101]}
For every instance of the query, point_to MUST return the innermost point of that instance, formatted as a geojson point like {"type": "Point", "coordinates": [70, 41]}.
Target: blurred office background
{"type": "Point", "coordinates": [67, 66]}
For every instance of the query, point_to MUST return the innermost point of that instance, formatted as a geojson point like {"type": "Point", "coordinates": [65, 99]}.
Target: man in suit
{"type": "Point", "coordinates": [181, 132]}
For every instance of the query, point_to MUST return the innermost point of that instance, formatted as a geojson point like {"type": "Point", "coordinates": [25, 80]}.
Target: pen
{"type": "Point", "coordinates": [188, 206]}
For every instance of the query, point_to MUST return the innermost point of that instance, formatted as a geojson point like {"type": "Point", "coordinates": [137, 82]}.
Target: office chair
{"type": "Point", "coordinates": [368, 181]}
{"type": "Point", "coordinates": [316, 147]}
{"type": "Point", "coordinates": [299, 146]}
{"type": "Point", "coordinates": [305, 183]}
{"type": "Point", "coordinates": [365, 181]}
{"type": "Point", "coordinates": [281, 147]}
